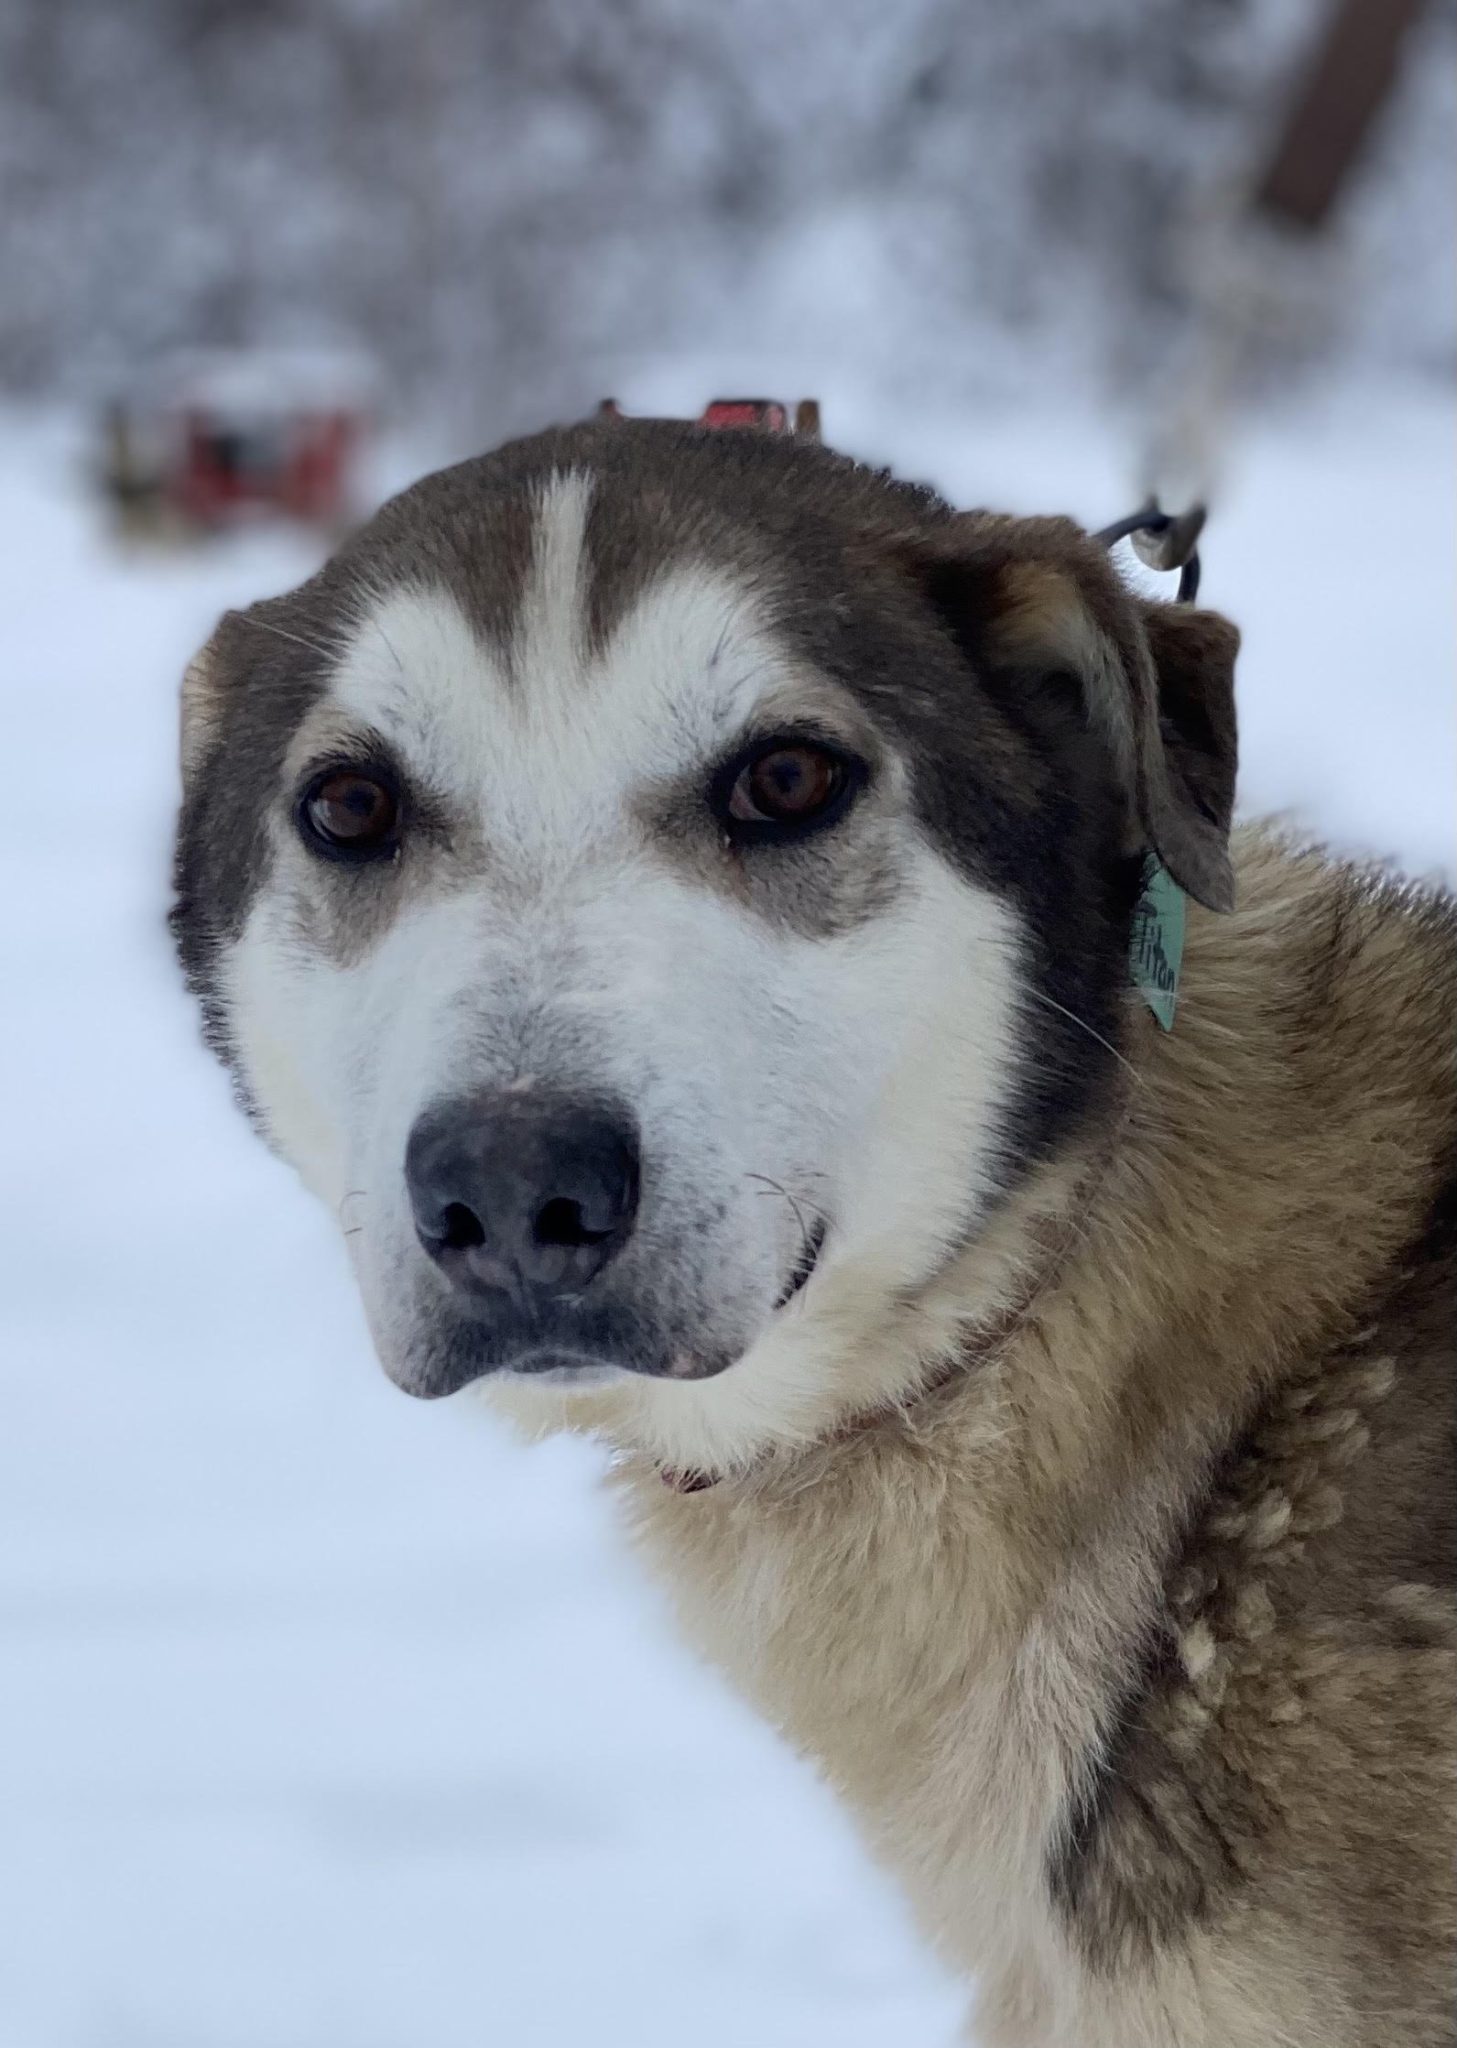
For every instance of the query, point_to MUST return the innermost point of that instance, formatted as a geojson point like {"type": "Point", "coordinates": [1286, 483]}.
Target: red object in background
{"type": "Point", "coordinates": [764, 415]}
{"type": "Point", "coordinates": [215, 438]}
{"type": "Point", "coordinates": [746, 412]}
{"type": "Point", "coordinates": [296, 462]}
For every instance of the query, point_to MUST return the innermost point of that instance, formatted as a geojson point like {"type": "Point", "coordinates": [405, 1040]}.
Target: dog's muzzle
{"type": "Point", "coordinates": [529, 1207]}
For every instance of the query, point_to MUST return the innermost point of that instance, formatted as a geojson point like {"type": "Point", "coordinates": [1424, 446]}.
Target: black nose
{"type": "Point", "coordinates": [524, 1192]}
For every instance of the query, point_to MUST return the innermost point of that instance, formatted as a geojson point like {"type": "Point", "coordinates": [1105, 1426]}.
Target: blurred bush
{"type": "Point", "coordinates": [501, 199]}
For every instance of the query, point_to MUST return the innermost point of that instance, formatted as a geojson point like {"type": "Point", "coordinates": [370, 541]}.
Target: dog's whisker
{"type": "Point", "coordinates": [774, 1187]}
{"type": "Point", "coordinates": [390, 645]}
{"type": "Point", "coordinates": [798, 1202]}
{"type": "Point", "coordinates": [1082, 1023]}
{"type": "Point", "coordinates": [299, 640]}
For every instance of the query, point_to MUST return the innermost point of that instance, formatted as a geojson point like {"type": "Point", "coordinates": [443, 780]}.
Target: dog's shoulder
{"type": "Point", "coordinates": [1281, 1751]}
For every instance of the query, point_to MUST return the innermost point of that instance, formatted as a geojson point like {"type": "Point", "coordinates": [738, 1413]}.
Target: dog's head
{"type": "Point", "coordinates": [663, 889]}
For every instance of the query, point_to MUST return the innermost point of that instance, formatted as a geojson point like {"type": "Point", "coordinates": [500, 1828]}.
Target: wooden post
{"type": "Point", "coordinates": [1347, 78]}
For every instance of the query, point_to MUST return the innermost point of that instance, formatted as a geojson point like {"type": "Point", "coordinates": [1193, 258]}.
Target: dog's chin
{"type": "Point", "coordinates": [443, 1360]}
{"type": "Point", "coordinates": [568, 1374]}
{"type": "Point", "coordinates": [553, 1366]}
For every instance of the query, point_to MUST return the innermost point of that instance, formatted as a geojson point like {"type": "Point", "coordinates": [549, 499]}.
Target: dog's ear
{"type": "Point", "coordinates": [1156, 680]}
{"type": "Point", "coordinates": [199, 708]}
{"type": "Point", "coordinates": [1193, 654]}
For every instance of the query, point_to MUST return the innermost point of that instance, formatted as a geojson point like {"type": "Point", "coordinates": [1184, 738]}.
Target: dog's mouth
{"type": "Point", "coordinates": [804, 1265]}
{"type": "Point", "coordinates": [594, 1344]}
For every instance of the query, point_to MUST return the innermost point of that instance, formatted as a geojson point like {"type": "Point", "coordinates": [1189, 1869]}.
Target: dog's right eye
{"type": "Point", "coordinates": [350, 814]}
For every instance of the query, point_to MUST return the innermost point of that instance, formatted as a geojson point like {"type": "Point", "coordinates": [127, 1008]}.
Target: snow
{"type": "Point", "coordinates": [331, 1720]}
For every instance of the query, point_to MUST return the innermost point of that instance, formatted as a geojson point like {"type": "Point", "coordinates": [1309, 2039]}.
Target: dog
{"type": "Point", "coordinates": [671, 894]}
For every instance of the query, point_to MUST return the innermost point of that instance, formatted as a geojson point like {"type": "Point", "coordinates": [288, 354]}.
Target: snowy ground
{"type": "Point", "coordinates": [329, 1720]}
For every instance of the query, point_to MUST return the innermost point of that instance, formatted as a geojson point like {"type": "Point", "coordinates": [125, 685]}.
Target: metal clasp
{"type": "Point", "coordinates": [1163, 540]}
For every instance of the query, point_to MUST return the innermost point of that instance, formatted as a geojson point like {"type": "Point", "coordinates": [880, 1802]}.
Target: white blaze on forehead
{"type": "Point", "coordinates": [550, 634]}
{"type": "Point", "coordinates": [547, 741]}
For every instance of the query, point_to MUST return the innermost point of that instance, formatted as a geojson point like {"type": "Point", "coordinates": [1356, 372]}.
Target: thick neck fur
{"type": "Point", "coordinates": [943, 1607]}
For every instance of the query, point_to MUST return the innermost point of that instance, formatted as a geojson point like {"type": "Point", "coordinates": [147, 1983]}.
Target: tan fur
{"type": "Point", "coordinates": [199, 709]}
{"type": "Point", "coordinates": [1217, 1412]}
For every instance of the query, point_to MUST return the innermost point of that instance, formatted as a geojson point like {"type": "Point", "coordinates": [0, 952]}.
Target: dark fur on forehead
{"type": "Point", "coordinates": [642, 465]}
{"type": "Point", "coordinates": [662, 493]}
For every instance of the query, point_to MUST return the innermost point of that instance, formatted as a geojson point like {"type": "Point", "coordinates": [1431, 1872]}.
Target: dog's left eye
{"type": "Point", "coordinates": [350, 814]}
{"type": "Point", "coordinates": [787, 786]}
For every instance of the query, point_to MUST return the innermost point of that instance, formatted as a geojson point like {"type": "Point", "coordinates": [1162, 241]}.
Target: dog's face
{"type": "Point", "coordinates": [659, 887]}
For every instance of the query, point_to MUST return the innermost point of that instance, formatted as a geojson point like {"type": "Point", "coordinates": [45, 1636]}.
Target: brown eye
{"type": "Point", "coordinates": [350, 814]}
{"type": "Point", "coordinates": [788, 784]}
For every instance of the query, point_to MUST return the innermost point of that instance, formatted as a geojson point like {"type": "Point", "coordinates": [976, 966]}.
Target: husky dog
{"type": "Point", "coordinates": [670, 894]}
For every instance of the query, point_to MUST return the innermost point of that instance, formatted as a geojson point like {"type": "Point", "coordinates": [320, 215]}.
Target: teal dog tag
{"type": "Point", "coordinates": [1157, 947]}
